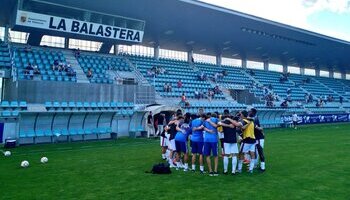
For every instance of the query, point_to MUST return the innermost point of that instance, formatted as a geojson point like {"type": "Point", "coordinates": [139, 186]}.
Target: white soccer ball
{"type": "Point", "coordinates": [44, 160]}
{"type": "Point", "coordinates": [7, 153]}
{"type": "Point", "coordinates": [24, 164]}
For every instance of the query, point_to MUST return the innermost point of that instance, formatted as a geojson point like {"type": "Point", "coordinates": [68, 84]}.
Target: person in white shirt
{"type": "Point", "coordinates": [295, 120]}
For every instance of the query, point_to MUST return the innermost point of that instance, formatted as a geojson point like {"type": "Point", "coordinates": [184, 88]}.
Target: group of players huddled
{"type": "Point", "coordinates": [241, 137]}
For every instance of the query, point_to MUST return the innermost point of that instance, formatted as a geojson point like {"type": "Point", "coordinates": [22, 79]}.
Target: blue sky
{"type": "Point", "coordinates": [328, 17]}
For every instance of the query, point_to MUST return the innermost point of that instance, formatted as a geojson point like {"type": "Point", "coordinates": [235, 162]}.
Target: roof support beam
{"type": "Point", "coordinates": [190, 57]}
{"type": "Point", "coordinates": [106, 47]}
{"type": "Point", "coordinates": [266, 65]}
{"type": "Point", "coordinates": [302, 70]}
{"type": "Point", "coordinates": [219, 59]}
{"type": "Point", "coordinates": [331, 73]}
{"type": "Point", "coordinates": [244, 63]}
{"type": "Point", "coordinates": [317, 71]}
{"type": "Point", "coordinates": [156, 52]}
{"type": "Point", "coordinates": [343, 75]}
{"type": "Point", "coordinates": [34, 38]}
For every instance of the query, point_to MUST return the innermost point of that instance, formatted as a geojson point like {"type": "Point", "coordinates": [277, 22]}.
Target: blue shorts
{"type": "Point", "coordinates": [180, 147]}
{"type": "Point", "coordinates": [197, 147]}
{"type": "Point", "coordinates": [210, 147]}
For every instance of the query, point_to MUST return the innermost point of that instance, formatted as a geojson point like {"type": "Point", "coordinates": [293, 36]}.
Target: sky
{"type": "Point", "coordinates": [328, 17]}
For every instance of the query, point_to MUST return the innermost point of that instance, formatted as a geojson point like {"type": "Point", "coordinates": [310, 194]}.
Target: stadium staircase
{"type": "Point", "coordinates": [80, 75]}
{"type": "Point", "coordinates": [140, 78]}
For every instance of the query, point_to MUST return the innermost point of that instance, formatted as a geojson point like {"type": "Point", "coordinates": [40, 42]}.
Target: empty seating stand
{"type": "Point", "coordinates": [12, 109]}
{"type": "Point", "coordinates": [121, 108]}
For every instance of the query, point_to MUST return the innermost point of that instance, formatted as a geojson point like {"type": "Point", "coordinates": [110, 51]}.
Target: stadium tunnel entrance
{"type": "Point", "coordinates": [138, 123]}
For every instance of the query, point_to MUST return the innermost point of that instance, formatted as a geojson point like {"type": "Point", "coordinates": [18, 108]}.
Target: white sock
{"type": "Point", "coordinates": [201, 168]}
{"type": "Point", "coordinates": [251, 165]}
{"type": "Point", "coordinates": [163, 155]}
{"type": "Point", "coordinates": [186, 165]}
{"type": "Point", "coordinates": [225, 163]}
{"type": "Point", "coordinates": [234, 164]}
{"type": "Point", "coordinates": [262, 165]}
{"type": "Point", "coordinates": [178, 164]}
{"type": "Point", "coordinates": [240, 165]}
{"type": "Point", "coordinates": [193, 167]}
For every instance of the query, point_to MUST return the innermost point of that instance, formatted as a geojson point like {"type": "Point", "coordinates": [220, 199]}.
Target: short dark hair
{"type": "Point", "coordinates": [226, 112]}
{"type": "Point", "coordinates": [244, 113]}
{"type": "Point", "coordinates": [254, 111]}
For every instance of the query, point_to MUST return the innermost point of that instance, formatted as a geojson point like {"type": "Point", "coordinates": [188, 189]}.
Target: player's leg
{"type": "Point", "coordinates": [206, 153]}
{"type": "Point", "coordinates": [261, 154]}
{"type": "Point", "coordinates": [216, 158]}
{"type": "Point", "coordinates": [241, 158]}
{"type": "Point", "coordinates": [185, 153]}
{"type": "Point", "coordinates": [251, 151]}
{"type": "Point", "coordinates": [194, 151]}
{"type": "Point", "coordinates": [234, 157]}
{"type": "Point", "coordinates": [227, 153]}
{"type": "Point", "coordinates": [200, 151]}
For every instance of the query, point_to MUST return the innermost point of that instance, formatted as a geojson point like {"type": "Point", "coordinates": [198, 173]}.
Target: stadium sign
{"type": "Point", "coordinates": [54, 23]}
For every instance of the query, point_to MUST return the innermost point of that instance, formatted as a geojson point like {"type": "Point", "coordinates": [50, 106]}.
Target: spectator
{"type": "Point", "coordinates": [284, 104]}
{"type": "Point", "coordinates": [299, 104]}
{"type": "Point", "coordinates": [270, 86]}
{"type": "Point", "coordinates": [251, 72]}
{"type": "Point", "coordinates": [217, 90]}
{"type": "Point", "coordinates": [29, 71]}
{"type": "Point", "coordinates": [89, 73]}
{"type": "Point", "coordinates": [36, 70]}
{"type": "Point", "coordinates": [224, 72]}
{"type": "Point", "coordinates": [196, 94]}
{"type": "Point", "coordinates": [55, 65]}
{"type": "Point", "coordinates": [76, 53]}
{"type": "Point", "coordinates": [70, 71]}
{"type": "Point", "coordinates": [306, 96]}
{"type": "Point", "coordinates": [150, 127]}
{"type": "Point", "coordinates": [170, 88]}
{"type": "Point", "coordinates": [161, 123]}
{"type": "Point", "coordinates": [150, 73]}
{"type": "Point", "coordinates": [179, 84]}
{"type": "Point", "coordinates": [165, 87]}
{"type": "Point", "coordinates": [341, 100]}
{"type": "Point", "coordinates": [183, 100]}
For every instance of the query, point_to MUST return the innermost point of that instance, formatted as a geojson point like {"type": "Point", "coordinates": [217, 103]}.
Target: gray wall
{"type": "Point", "coordinates": [42, 91]}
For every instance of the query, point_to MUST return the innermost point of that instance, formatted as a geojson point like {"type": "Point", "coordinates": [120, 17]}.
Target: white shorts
{"type": "Point", "coordinates": [245, 147]}
{"type": "Point", "coordinates": [261, 142]}
{"type": "Point", "coordinates": [171, 145]}
{"type": "Point", "coordinates": [221, 135]}
{"type": "Point", "coordinates": [163, 141]}
{"type": "Point", "coordinates": [230, 148]}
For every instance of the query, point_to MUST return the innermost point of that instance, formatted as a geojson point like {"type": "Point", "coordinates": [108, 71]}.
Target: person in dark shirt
{"type": "Point", "coordinates": [260, 139]}
{"type": "Point", "coordinates": [150, 127]}
{"type": "Point", "coordinates": [171, 129]}
{"type": "Point", "coordinates": [229, 126]}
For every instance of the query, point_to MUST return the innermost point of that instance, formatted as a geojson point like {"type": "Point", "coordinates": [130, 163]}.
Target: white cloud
{"type": "Point", "coordinates": [291, 12]}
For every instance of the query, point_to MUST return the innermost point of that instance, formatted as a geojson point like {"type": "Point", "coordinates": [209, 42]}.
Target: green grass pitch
{"type": "Point", "coordinates": [312, 162]}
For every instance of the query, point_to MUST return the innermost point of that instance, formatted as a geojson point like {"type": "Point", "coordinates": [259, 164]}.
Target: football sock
{"type": "Point", "coordinates": [240, 164]}
{"type": "Point", "coordinates": [234, 164]}
{"type": "Point", "coordinates": [225, 163]}
{"type": "Point", "coordinates": [262, 165]}
{"type": "Point", "coordinates": [193, 167]}
{"type": "Point", "coordinates": [251, 165]}
{"type": "Point", "coordinates": [201, 168]}
{"type": "Point", "coordinates": [186, 165]}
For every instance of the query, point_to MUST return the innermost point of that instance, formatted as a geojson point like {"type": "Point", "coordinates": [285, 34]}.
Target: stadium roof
{"type": "Point", "coordinates": [186, 25]}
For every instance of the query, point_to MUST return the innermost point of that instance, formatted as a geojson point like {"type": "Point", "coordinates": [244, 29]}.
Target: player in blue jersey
{"type": "Point", "coordinates": [181, 142]}
{"type": "Point", "coordinates": [211, 143]}
{"type": "Point", "coordinates": [197, 141]}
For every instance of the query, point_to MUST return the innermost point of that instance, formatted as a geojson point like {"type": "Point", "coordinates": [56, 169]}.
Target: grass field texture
{"type": "Point", "coordinates": [312, 162]}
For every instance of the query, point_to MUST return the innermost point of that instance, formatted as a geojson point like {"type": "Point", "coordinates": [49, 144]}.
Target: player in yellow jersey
{"type": "Point", "coordinates": [248, 142]}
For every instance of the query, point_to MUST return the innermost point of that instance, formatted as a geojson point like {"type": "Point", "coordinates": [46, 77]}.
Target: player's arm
{"type": "Point", "coordinates": [198, 128]}
{"type": "Point", "coordinates": [207, 130]}
{"type": "Point", "coordinates": [226, 125]}
{"type": "Point", "coordinates": [213, 124]}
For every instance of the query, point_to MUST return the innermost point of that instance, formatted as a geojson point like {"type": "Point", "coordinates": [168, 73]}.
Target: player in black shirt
{"type": "Point", "coordinates": [260, 139]}
{"type": "Point", "coordinates": [229, 126]}
{"type": "Point", "coordinates": [171, 129]}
